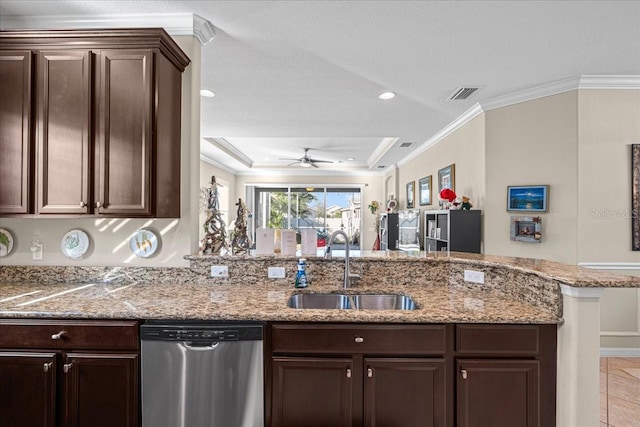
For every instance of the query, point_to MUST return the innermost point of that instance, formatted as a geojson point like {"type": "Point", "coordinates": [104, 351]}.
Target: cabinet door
{"type": "Point", "coordinates": [101, 390]}
{"type": "Point", "coordinates": [63, 136]}
{"type": "Point", "coordinates": [124, 137]}
{"type": "Point", "coordinates": [27, 389]}
{"type": "Point", "coordinates": [308, 391]}
{"type": "Point", "coordinates": [404, 392]}
{"type": "Point", "coordinates": [15, 132]}
{"type": "Point", "coordinates": [498, 393]}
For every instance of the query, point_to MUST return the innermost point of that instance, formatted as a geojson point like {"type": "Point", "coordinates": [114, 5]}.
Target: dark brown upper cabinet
{"type": "Point", "coordinates": [15, 132]}
{"type": "Point", "coordinates": [105, 138]}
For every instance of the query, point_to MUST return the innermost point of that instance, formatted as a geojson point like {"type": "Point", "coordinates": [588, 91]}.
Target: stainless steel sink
{"type": "Point", "coordinates": [319, 301]}
{"type": "Point", "coordinates": [383, 302]}
{"type": "Point", "coordinates": [358, 301]}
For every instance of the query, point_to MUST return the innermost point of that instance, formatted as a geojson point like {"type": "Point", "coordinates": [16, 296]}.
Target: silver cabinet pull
{"type": "Point", "coordinates": [464, 373]}
{"type": "Point", "coordinates": [359, 339]}
{"type": "Point", "coordinates": [66, 367]}
{"type": "Point", "coordinates": [83, 204]}
{"type": "Point", "coordinates": [47, 366]}
{"type": "Point", "coordinates": [98, 205]}
{"type": "Point", "coordinates": [59, 335]}
{"type": "Point", "coordinates": [369, 372]}
{"type": "Point", "coordinates": [348, 373]}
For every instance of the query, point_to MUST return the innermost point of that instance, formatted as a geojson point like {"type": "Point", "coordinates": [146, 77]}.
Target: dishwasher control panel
{"type": "Point", "coordinates": [207, 334]}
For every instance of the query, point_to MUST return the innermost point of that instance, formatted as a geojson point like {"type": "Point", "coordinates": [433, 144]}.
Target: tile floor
{"type": "Point", "coordinates": [620, 392]}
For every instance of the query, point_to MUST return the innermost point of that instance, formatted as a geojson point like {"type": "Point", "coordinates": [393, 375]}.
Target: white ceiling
{"type": "Point", "coordinates": [290, 75]}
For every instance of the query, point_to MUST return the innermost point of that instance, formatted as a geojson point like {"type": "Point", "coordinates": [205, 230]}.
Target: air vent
{"type": "Point", "coordinates": [463, 93]}
{"type": "Point", "coordinates": [381, 166]}
{"type": "Point", "coordinates": [406, 144]}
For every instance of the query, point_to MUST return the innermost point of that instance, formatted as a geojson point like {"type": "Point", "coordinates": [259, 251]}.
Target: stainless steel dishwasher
{"type": "Point", "coordinates": [202, 374]}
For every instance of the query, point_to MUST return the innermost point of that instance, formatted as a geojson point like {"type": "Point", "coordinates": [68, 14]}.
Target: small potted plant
{"type": "Point", "coordinates": [322, 237]}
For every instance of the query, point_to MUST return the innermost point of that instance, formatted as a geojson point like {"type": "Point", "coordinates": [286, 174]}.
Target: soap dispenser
{"type": "Point", "coordinates": [301, 276]}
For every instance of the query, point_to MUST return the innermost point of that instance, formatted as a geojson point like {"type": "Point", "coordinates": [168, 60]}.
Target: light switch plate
{"type": "Point", "coordinates": [474, 276]}
{"type": "Point", "coordinates": [219, 271]}
{"type": "Point", "coordinates": [275, 272]}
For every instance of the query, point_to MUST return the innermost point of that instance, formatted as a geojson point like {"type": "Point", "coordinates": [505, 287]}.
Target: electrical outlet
{"type": "Point", "coordinates": [219, 271]}
{"type": "Point", "coordinates": [474, 276]}
{"type": "Point", "coordinates": [275, 272]}
{"type": "Point", "coordinates": [37, 249]}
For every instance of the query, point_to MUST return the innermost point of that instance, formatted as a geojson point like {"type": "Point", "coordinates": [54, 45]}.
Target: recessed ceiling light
{"type": "Point", "coordinates": [351, 158]}
{"type": "Point", "coordinates": [207, 93]}
{"type": "Point", "coordinates": [386, 95]}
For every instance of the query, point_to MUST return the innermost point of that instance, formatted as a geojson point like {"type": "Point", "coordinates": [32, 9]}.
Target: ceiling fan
{"type": "Point", "coordinates": [306, 161]}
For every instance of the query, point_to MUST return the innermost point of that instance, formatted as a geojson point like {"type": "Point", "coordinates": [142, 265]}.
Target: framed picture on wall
{"type": "Point", "coordinates": [528, 198]}
{"type": "Point", "coordinates": [425, 190]}
{"type": "Point", "coordinates": [410, 194]}
{"type": "Point", "coordinates": [635, 197]}
{"type": "Point", "coordinates": [447, 178]}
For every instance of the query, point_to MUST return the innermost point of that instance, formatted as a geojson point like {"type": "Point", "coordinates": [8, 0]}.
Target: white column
{"type": "Point", "coordinates": [578, 395]}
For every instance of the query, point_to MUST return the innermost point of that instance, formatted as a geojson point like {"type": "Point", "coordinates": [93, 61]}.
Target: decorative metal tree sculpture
{"type": "Point", "coordinates": [215, 234]}
{"type": "Point", "coordinates": [240, 242]}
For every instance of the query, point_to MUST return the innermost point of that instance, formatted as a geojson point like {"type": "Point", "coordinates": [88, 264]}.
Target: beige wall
{"type": "Point", "coordinates": [576, 142]}
{"type": "Point", "coordinates": [533, 143]}
{"type": "Point", "coordinates": [110, 237]}
{"type": "Point", "coordinates": [609, 122]}
{"type": "Point", "coordinates": [465, 148]}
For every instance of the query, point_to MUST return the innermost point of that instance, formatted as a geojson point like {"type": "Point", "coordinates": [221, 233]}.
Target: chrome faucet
{"type": "Point", "coordinates": [347, 276]}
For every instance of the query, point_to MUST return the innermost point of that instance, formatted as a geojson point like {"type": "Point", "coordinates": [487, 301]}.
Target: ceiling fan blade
{"type": "Point", "coordinates": [320, 161]}
{"type": "Point", "coordinates": [314, 165]}
{"type": "Point", "coordinates": [294, 163]}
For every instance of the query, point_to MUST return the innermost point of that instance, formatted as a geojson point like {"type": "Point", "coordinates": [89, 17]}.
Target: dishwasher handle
{"type": "Point", "coordinates": [190, 345]}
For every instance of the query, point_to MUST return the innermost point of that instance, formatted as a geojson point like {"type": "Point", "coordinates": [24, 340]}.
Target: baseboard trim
{"type": "Point", "coordinates": [619, 352]}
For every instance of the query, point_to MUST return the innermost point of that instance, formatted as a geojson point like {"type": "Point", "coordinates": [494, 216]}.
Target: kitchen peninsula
{"type": "Point", "coordinates": [516, 293]}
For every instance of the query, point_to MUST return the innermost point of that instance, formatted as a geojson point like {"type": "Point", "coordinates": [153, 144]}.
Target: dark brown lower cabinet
{"type": "Point", "coordinates": [498, 393]}
{"type": "Point", "coordinates": [376, 375]}
{"type": "Point", "coordinates": [27, 389]}
{"type": "Point", "coordinates": [404, 392]}
{"type": "Point", "coordinates": [69, 373]}
{"type": "Point", "coordinates": [312, 391]}
{"type": "Point", "coordinates": [101, 389]}
{"type": "Point", "coordinates": [357, 375]}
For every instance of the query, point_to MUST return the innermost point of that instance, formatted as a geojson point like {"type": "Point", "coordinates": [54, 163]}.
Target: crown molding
{"type": "Point", "coordinates": [225, 146]}
{"type": "Point", "coordinates": [217, 164]}
{"type": "Point", "coordinates": [564, 85]}
{"type": "Point", "coordinates": [609, 82]}
{"type": "Point", "coordinates": [385, 145]}
{"type": "Point", "coordinates": [176, 24]}
{"type": "Point", "coordinates": [460, 121]}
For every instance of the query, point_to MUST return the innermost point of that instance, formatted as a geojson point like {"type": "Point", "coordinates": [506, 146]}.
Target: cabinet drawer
{"type": "Point", "coordinates": [502, 339]}
{"type": "Point", "coordinates": [352, 339]}
{"type": "Point", "coordinates": [69, 334]}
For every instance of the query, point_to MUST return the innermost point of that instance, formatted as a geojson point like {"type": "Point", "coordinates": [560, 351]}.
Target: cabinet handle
{"type": "Point", "coordinates": [348, 373]}
{"type": "Point", "coordinates": [59, 335]}
{"type": "Point", "coordinates": [47, 366]}
{"type": "Point", "coordinates": [66, 367]}
{"type": "Point", "coordinates": [369, 372]}
{"type": "Point", "coordinates": [83, 204]}
{"type": "Point", "coordinates": [359, 339]}
{"type": "Point", "coordinates": [464, 373]}
{"type": "Point", "coordinates": [98, 205]}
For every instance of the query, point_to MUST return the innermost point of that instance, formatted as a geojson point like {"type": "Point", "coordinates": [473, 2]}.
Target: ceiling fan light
{"type": "Point", "coordinates": [386, 95]}
{"type": "Point", "coordinates": [305, 164]}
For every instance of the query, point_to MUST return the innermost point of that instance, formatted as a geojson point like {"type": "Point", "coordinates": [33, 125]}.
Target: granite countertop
{"type": "Point", "coordinates": [515, 290]}
{"type": "Point", "coordinates": [266, 302]}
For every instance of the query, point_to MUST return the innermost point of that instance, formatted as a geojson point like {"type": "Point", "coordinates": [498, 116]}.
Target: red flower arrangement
{"type": "Point", "coordinates": [448, 195]}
